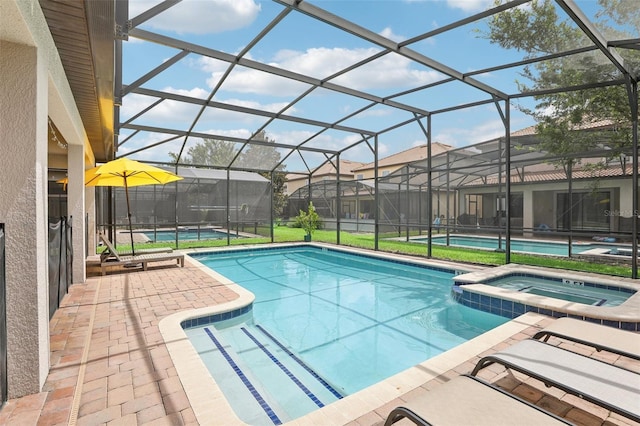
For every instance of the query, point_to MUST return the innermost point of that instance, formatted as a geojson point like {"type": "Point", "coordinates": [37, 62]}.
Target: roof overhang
{"type": "Point", "coordinates": [83, 32]}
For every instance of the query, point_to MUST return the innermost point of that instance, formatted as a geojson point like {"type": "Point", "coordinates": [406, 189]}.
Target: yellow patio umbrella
{"type": "Point", "coordinates": [88, 175]}
{"type": "Point", "coordinates": [125, 172]}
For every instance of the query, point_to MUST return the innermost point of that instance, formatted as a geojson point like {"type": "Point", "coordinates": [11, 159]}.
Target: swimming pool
{"type": "Point", "coordinates": [569, 290]}
{"type": "Point", "coordinates": [354, 320]}
{"type": "Point", "coordinates": [188, 234]}
{"type": "Point", "coordinates": [519, 245]}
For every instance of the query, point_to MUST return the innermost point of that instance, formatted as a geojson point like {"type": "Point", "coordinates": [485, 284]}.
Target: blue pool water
{"type": "Point", "coordinates": [569, 290]}
{"type": "Point", "coordinates": [188, 234]}
{"type": "Point", "coordinates": [530, 246]}
{"type": "Point", "coordinates": [350, 320]}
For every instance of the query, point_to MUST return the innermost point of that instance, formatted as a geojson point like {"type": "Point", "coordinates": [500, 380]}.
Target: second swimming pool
{"type": "Point", "coordinates": [519, 245]}
{"type": "Point", "coordinates": [352, 320]}
{"type": "Point", "coordinates": [188, 234]}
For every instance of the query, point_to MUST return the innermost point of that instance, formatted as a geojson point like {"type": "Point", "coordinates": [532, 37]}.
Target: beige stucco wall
{"type": "Point", "coordinates": [542, 209]}
{"type": "Point", "coordinates": [370, 173]}
{"type": "Point", "coordinates": [23, 195]}
{"type": "Point", "coordinates": [33, 86]}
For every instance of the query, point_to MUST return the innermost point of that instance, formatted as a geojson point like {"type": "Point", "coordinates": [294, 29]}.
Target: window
{"type": "Point", "coordinates": [587, 210]}
{"type": "Point", "coordinates": [359, 176]}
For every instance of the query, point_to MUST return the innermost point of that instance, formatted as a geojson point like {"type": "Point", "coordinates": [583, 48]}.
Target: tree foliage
{"type": "Point", "coordinates": [210, 152]}
{"type": "Point", "coordinates": [259, 156]}
{"type": "Point", "coordinates": [562, 118]}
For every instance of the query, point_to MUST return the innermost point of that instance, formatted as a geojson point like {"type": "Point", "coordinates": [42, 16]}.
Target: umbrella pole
{"type": "Point", "coordinates": [126, 191]}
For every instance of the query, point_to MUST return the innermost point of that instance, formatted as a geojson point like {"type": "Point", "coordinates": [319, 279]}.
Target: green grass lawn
{"type": "Point", "coordinates": [367, 241]}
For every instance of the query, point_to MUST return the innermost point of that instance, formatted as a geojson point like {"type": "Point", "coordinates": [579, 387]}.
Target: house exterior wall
{"type": "Point", "coordinates": [23, 196]}
{"type": "Point", "coordinates": [539, 199]}
{"type": "Point", "coordinates": [294, 184]}
{"type": "Point", "coordinates": [382, 171]}
{"type": "Point", "coordinates": [33, 87]}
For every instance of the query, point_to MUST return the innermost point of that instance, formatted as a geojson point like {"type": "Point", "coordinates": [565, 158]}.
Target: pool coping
{"type": "Point", "coordinates": [208, 402]}
{"type": "Point", "coordinates": [600, 254]}
{"type": "Point", "coordinates": [626, 312]}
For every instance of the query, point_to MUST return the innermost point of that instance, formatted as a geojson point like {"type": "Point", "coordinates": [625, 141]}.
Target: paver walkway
{"type": "Point", "coordinates": [121, 372]}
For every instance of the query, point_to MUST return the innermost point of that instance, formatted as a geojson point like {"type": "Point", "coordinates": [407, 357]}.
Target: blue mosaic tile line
{"type": "Point", "coordinates": [286, 371]}
{"type": "Point", "coordinates": [210, 319]}
{"type": "Point", "coordinates": [267, 409]}
{"type": "Point", "coordinates": [302, 363]}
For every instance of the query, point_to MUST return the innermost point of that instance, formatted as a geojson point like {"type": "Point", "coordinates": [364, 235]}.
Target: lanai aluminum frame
{"type": "Point", "coordinates": [609, 50]}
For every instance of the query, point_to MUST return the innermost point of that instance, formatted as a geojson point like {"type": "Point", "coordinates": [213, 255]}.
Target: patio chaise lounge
{"type": "Point", "coordinates": [466, 400]}
{"type": "Point", "coordinates": [110, 257]}
{"type": "Point", "coordinates": [110, 250]}
{"type": "Point", "coordinates": [603, 384]}
{"type": "Point", "coordinates": [600, 337]}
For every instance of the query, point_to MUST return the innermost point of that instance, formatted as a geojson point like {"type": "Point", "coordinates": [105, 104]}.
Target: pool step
{"type": "Point", "coordinates": [251, 365]}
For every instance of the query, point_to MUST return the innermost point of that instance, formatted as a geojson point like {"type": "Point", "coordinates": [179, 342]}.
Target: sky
{"type": "Point", "coordinates": [305, 46]}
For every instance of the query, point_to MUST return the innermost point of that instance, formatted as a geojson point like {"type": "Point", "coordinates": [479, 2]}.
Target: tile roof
{"type": "Point", "coordinates": [346, 168]}
{"type": "Point", "coordinates": [416, 153]}
{"type": "Point", "coordinates": [549, 173]}
{"type": "Point", "coordinates": [600, 124]}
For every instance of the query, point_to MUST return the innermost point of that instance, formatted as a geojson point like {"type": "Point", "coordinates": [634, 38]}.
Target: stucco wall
{"type": "Point", "coordinates": [23, 195]}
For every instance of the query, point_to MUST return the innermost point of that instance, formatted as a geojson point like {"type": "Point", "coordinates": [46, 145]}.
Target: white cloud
{"type": "Point", "coordinates": [389, 71]}
{"type": "Point", "coordinates": [321, 61]}
{"type": "Point", "coordinates": [169, 112]}
{"type": "Point", "coordinates": [234, 133]}
{"type": "Point", "coordinates": [374, 112]}
{"type": "Point", "coordinates": [470, 5]}
{"type": "Point", "coordinates": [166, 112]}
{"type": "Point", "coordinates": [461, 136]}
{"type": "Point", "coordinates": [388, 33]}
{"type": "Point", "coordinates": [142, 140]}
{"type": "Point", "coordinates": [200, 16]}
{"type": "Point", "coordinates": [196, 92]}
{"type": "Point", "coordinates": [272, 107]}
{"type": "Point", "coordinates": [244, 80]}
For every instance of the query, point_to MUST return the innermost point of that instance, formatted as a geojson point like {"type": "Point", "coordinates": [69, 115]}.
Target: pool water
{"type": "Point", "coordinates": [530, 246]}
{"type": "Point", "coordinates": [188, 234]}
{"type": "Point", "coordinates": [351, 320]}
{"type": "Point", "coordinates": [570, 291]}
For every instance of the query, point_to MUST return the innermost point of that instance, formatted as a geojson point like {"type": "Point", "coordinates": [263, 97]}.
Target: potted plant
{"type": "Point", "coordinates": [309, 221]}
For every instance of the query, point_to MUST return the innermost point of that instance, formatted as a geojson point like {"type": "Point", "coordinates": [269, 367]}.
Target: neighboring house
{"type": "Point", "coordinates": [601, 187]}
{"type": "Point", "coordinates": [469, 190]}
{"type": "Point", "coordinates": [357, 192]}
{"type": "Point", "coordinates": [325, 172]}
{"type": "Point", "coordinates": [390, 164]}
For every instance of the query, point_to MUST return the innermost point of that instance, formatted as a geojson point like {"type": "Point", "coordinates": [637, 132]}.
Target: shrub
{"type": "Point", "coordinates": [309, 220]}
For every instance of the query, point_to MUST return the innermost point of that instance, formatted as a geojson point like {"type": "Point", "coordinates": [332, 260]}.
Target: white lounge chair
{"type": "Point", "coordinates": [111, 252]}
{"type": "Point", "coordinates": [603, 384]}
{"type": "Point", "coordinates": [466, 400]}
{"type": "Point", "coordinates": [600, 337]}
{"type": "Point", "coordinates": [111, 257]}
